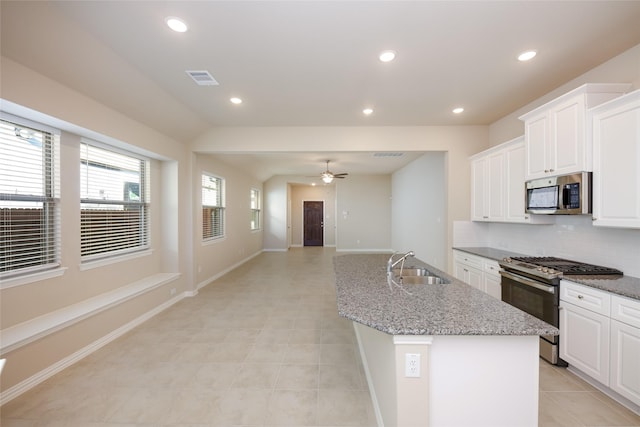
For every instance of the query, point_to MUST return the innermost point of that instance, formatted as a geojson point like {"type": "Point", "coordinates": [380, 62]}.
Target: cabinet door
{"type": "Point", "coordinates": [494, 191]}
{"type": "Point", "coordinates": [625, 360]}
{"type": "Point", "coordinates": [536, 143]}
{"type": "Point", "coordinates": [475, 278]}
{"type": "Point", "coordinates": [492, 285]}
{"type": "Point", "coordinates": [567, 139]}
{"type": "Point", "coordinates": [584, 341]}
{"type": "Point", "coordinates": [616, 163]}
{"type": "Point", "coordinates": [478, 185]}
{"type": "Point", "coordinates": [514, 183]}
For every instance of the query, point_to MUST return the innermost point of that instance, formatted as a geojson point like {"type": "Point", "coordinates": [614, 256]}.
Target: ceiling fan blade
{"type": "Point", "coordinates": [340, 175]}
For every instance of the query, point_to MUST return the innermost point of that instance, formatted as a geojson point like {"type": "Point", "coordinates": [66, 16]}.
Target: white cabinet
{"type": "Point", "coordinates": [468, 268]}
{"type": "Point", "coordinates": [555, 133]}
{"type": "Point", "coordinates": [600, 336]}
{"type": "Point", "coordinates": [584, 329]}
{"type": "Point", "coordinates": [497, 186]}
{"type": "Point", "coordinates": [488, 187]}
{"type": "Point", "coordinates": [616, 162]}
{"type": "Point", "coordinates": [491, 279]}
{"type": "Point", "coordinates": [625, 348]}
{"type": "Point", "coordinates": [479, 272]}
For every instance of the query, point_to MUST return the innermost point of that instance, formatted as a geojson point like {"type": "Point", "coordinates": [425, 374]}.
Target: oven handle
{"type": "Point", "coordinates": [528, 282]}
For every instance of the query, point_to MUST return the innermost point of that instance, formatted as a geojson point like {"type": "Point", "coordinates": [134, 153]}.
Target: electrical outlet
{"type": "Point", "coordinates": [412, 365]}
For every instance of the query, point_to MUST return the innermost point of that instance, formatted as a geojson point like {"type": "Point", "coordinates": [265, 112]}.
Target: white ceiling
{"type": "Point", "coordinates": [314, 63]}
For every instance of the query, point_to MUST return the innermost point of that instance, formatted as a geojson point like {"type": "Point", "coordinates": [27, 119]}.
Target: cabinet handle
{"type": "Point", "coordinates": [546, 171]}
{"type": "Point", "coordinates": [550, 170]}
{"type": "Point", "coordinates": [580, 297]}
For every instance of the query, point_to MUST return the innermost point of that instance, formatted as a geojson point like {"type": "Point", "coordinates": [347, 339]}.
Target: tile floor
{"type": "Point", "coordinates": [261, 346]}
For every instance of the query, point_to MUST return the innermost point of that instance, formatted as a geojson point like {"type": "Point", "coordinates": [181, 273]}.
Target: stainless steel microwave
{"type": "Point", "coordinates": [559, 195]}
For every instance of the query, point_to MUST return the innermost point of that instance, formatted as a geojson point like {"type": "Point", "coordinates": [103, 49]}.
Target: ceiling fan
{"type": "Point", "coordinates": [328, 176]}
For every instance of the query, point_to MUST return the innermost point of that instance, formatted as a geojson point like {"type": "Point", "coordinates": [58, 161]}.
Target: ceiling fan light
{"type": "Point", "coordinates": [326, 178]}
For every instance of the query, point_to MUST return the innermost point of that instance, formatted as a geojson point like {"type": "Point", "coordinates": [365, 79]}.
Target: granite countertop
{"type": "Point", "coordinates": [490, 253]}
{"type": "Point", "coordinates": [626, 286]}
{"type": "Point", "coordinates": [364, 296]}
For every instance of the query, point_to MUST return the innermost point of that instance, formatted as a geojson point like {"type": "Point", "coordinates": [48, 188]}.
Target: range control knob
{"type": "Point", "coordinates": [507, 259]}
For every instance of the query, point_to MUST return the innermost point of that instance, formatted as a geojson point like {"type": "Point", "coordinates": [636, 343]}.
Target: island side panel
{"type": "Point", "coordinates": [378, 358]}
{"type": "Point", "coordinates": [484, 381]}
{"type": "Point", "coordinates": [398, 400]}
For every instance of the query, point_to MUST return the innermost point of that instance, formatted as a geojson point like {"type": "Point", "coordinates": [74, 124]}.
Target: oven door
{"type": "Point", "coordinates": [539, 299]}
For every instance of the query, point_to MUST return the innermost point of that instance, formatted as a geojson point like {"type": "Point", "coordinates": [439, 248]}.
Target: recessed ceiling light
{"type": "Point", "coordinates": [457, 110]}
{"type": "Point", "coordinates": [367, 111]}
{"type": "Point", "coordinates": [387, 56]}
{"type": "Point", "coordinates": [176, 24]}
{"type": "Point", "coordinates": [525, 56]}
{"type": "Point", "coordinates": [235, 100]}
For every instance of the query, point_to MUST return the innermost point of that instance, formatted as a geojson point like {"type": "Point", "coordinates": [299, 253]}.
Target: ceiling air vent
{"type": "Point", "coordinates": [202, 78]}
{"type": "Point", "coordinates": [388, 154]}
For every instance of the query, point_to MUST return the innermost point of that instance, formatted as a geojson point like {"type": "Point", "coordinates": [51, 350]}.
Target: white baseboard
{"type": "Point", "coordinates": [34, 380]}
{"type": "Point", "coordinates": [275, 250]}
{"type": "Point", "coordinates": [225, 271]}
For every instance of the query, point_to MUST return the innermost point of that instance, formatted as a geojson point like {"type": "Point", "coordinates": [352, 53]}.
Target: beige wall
{"type": "Point", "coordinates": [419, 209]}
{"type": "Point", "coordinates": [322, 193]}
{"type": "Point", "coordinates": [28, 94]}
{"type": "Point", "coordinates": [240, 242]}
{"type": "Point", "coordinates": [458, 142]}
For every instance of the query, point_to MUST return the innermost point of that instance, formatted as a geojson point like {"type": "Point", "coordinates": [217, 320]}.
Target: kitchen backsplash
{"type": "Point", "coordinates": [572, 237]}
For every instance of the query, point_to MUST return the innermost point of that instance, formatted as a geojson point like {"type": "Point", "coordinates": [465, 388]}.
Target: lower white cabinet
{"type": "Point", "coordinates": [468, 274]}
{"type": "Point", "coordinates": [600, 336]}
{"type": "Point", "coordinates": [625, 347]}
{"type": "Point", "coordinates": [584, 340]}
{"type": "Point", "coordinates": [481, 273]}
{"type": "Point", "coordinates": [625, 360]}
{"type": "Point", "coordinates": [491, 278]}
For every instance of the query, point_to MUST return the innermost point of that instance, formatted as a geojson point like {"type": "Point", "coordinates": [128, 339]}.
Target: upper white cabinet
{"type": "Point", "coordinates": [555, 133]}
{"type": "Point", "coordinates": [488, 187]}
{"type": "Point", "coordinates": [616, 162]}
{"type": "Point", "coordinates": [497, 185]}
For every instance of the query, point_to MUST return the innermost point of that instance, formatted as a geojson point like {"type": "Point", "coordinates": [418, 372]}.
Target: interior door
{"type": "Point", "coordinates": [313, 224]}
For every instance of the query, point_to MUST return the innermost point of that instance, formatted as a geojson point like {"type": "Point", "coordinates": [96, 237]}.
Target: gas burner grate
{"type": "Point", "coordinates": [568, 267]}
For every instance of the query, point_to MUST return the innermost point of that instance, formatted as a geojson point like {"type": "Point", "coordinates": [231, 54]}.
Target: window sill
{"type": "Point", "coordinates": [113, 260]}
{"type": "Point", "coordinates": [213, 241]}
{"type": "Point", "coordinates": [32, 277]}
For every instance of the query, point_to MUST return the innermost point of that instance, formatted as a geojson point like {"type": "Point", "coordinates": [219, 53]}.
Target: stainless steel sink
{"type": "Point", "coordinates": [417, 276]}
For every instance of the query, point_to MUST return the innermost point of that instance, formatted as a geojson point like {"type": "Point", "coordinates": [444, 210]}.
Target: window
{"type": "Point", "coordinates": [212, 207]}
{"type": "Point", "coordinates": [114, 202]}
{"type": "Point", "coordinates": [255, 209]}
{"type": "Point", "coordinates": [29, 197]}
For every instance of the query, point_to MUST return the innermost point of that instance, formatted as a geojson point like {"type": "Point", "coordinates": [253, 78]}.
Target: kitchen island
{"type": "Point", "coordinates": [440, 355]}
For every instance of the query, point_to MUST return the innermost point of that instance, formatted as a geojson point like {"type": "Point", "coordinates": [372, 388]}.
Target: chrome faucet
{"type": "Point", "coordinates": [391, 264]}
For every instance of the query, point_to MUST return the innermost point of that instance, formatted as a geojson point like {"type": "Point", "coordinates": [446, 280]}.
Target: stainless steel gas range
{"type": "Point", "coordinates": [532, 285]}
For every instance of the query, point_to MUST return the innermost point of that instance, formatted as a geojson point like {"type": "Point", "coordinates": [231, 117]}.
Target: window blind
{"type": "Point", "coordinates": [29, 198]}
{"type": "Point", "coordinates": [114, 202]}
{"type": "Point", "coordinates": [255, 209]}
{"type": "Point", "coordinates": [212, 207]}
